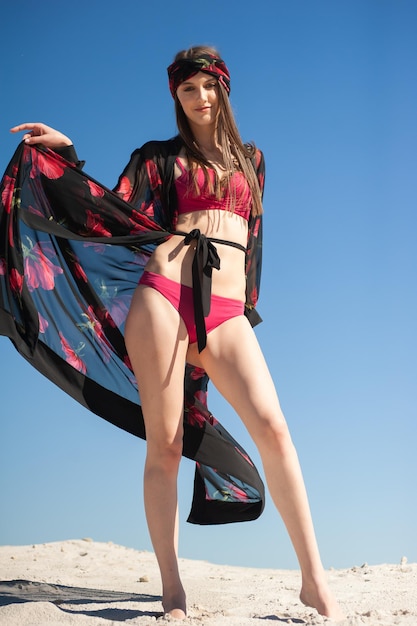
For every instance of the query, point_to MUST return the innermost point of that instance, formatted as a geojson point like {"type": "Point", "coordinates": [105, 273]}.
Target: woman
{"type": "Point", "coordinates": [189, 308]}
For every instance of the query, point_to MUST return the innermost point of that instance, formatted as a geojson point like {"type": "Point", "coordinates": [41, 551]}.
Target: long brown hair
{"type": "Point", "coordinates": [236, 154]}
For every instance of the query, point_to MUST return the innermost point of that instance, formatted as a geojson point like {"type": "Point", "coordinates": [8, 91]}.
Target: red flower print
{"type": "Point", "coordinates": [135, 224]}
{"type": "Point", "coordinates": [236, 493]}
{"type": "Point", "coordinates": [117, 305]}
{"type": "Point", "coordinates": [194, 417]}
{"type": "Point", "coordinates": [201, 396]}
{"type": "Point", "coordinates": [261, 179]}
{"type": "Point", "coordinates": [95, 189]}
{"type": "Point", "coordinates": [95, 225]}
{"type": "Point", "coordinates": [140, 258]}
{"type": "Point", "coordinates": [39, 270]}
{"type": "Point", "coordinates": [10, 233]}
{"type": "Point", "coordinates": [153, 175]}
{"type": "Point", "coordinates": [195, 414]}
{"type": "Point", "coordinates": [254, 296]}
{"type": "Point", "coordinates": [46, 165]}
{"type": "Point", "coordinates": [78, 270]}
{"type": "Point", "coordinates": [35, 211]}
{"type": "Point", "coordinates": [136, 218]}
{"type": "Point", "coordinates": [124, 188]}
{"type": "Point", "coordinates": [7, 193]}
{"type": "Point", "coordinates": [211, 419]}
{"type": "Point", "coordinates": [16, 281]}
{"type": "Point", "coordinates": [104, 317]}
{"type": "Point", "coordinates": [2, 267]}
{"type": "Point", "coordinates": [256, 227]}
{"type": "Point", "coordinates": [245, 456]}
{"type": "Point", "coordinates": [99, 248]}
{"type": "Point", "coordinates": [197, 373]}
{"type": "Point", "coordinates": [93, 325]}
{"type": "Point", "coordinates": [43, 323]}
{"type": "Point", "coordinates": [71, 355]}
{"type": "Point", "coordinates": [127, 362]}
{"type": "Point", "coordinates": [130, 377]}
{"type": "Point", "coordinates": [119, 308]}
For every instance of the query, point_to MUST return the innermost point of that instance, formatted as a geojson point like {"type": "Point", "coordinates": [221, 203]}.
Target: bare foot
{"type": "Point", "coordinates": [322, 599]}
{"type": "Point", "coordinates": [176, 614]}
{"type": "Point", "coordinates": [175, 605]}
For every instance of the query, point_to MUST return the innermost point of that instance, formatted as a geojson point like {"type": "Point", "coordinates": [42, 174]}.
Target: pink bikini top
{"type": "Point", "coordinates": [188, 202]}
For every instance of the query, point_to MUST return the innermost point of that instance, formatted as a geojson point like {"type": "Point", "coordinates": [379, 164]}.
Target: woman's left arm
{"type": "Point", "coordinates": [254, 249]}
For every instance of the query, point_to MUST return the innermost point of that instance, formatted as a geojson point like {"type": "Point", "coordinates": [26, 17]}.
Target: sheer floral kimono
{"type": "Point", "coordinates": [71, 255]}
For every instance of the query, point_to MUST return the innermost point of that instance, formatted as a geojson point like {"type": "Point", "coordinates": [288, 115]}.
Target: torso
{"type": "Point", "coordinates": [173, 259]}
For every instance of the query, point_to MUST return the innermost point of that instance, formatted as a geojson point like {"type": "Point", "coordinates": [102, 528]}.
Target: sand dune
{"type": "Point", "coordinates": [87, 583]}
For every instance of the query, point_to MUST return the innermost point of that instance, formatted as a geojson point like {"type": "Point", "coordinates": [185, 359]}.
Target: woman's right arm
{"type": "Point", "coordinates": [41, 133]}
{"type": "Point", "coordinates": [49, 137]}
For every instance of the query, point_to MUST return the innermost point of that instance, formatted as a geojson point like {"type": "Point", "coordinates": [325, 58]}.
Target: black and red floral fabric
{"type": "Point", "coordinates": [71, 255]}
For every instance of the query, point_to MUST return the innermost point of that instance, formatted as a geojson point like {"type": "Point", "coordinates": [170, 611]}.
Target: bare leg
{"type": "Point", "coordinates": [235, 364]}
{"type": "Point", "coordinates": [157, 342]}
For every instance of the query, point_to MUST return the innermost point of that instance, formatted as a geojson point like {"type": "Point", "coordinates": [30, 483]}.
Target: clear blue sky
{"type": "Point", "coordinates": [328, 91]}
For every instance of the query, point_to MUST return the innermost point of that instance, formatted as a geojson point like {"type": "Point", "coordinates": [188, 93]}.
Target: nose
{"type": "Point", "coordinates": [201, 93]}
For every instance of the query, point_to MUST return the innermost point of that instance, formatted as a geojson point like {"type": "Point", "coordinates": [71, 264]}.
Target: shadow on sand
{"type": "Point", "coordinates": [16, 591]}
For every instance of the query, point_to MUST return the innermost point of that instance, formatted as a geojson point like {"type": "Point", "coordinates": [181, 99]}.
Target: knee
{"type": "Point", "coordinates": [273, 435]}
{"type": "Point", "coordinates": [164, 454]}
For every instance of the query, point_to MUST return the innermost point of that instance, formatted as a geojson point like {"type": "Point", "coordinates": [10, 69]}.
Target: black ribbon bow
{"type": "Point", "coordinates": [205, 259]}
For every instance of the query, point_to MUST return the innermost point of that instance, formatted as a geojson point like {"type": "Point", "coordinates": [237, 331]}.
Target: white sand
{"type": "Point", "coordinates": [102, 584]}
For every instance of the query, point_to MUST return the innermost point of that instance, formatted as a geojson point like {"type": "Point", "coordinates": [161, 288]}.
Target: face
{"type": "Point", "coordinates": [198, 96]}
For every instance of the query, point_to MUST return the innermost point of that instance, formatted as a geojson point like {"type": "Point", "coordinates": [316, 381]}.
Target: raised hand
{"type": "Point", "coordinates": [41, 133]}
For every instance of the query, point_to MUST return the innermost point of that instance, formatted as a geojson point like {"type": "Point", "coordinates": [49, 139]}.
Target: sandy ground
{"type": "Point", "coordinates": [87, 583]}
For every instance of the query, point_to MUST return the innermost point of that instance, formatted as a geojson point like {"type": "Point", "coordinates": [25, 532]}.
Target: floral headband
{"type": "Point", "coordinates": [185, 68]}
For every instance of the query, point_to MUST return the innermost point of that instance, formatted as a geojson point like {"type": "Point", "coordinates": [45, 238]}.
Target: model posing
{"type": "Point", "coordinates": [170, 323]}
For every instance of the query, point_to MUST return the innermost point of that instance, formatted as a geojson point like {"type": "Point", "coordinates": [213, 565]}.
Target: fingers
{"type": "Point", "coordinates": [41, 133]}
{"type": "Point", "coordinates": [37, 130]}
{"type": "Point", "coordinates": [34, 126]}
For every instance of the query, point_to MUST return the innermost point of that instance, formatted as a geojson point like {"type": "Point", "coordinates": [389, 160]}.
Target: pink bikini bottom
{"type": "Point", "coordinates": [181, 298]}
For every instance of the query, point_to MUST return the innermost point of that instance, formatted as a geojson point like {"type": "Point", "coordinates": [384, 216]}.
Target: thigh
{"type": "Point", "coordinates": [235, 364]}
{"type": "Point", "coordinates": [157, 341]}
